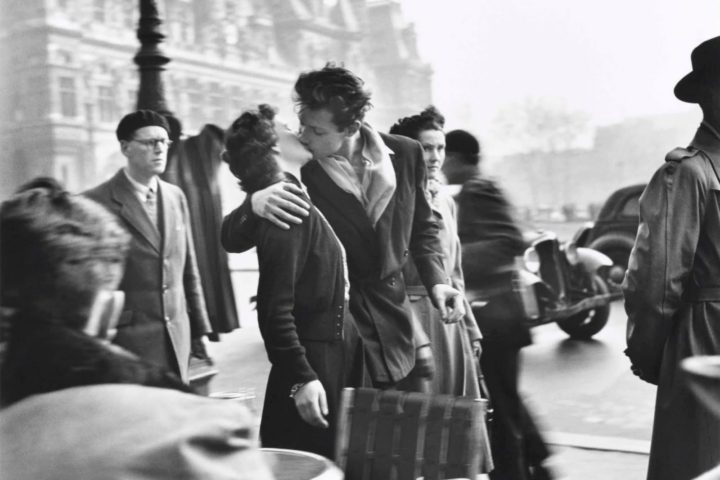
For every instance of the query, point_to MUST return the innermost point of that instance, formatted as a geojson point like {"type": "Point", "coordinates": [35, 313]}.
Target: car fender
{"type": "Point", "coordinates": [591, 259]}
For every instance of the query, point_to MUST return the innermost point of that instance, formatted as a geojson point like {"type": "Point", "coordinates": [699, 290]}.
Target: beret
{"type": "Point", "coordinates": [131, 122]}
{"type": "Point", "coordinates": [461, 141]}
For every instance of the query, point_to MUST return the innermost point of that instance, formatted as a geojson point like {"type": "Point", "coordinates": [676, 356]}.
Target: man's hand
{"type": "Point", "coordinates": [424, 362]}
{"type": "Point", "coordinates": [450, 302]}
{"type": "Point", "coordinates": [280, 203]}
{"type": "Point", "coordinates": [311, 403]}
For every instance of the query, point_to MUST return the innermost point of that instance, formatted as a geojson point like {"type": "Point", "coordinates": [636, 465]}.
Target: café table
{"type": "Point", "coordinates": [298, 465]}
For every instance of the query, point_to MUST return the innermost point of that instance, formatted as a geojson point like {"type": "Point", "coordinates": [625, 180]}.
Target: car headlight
{"type": "Point", "coordinates": [531, 259]}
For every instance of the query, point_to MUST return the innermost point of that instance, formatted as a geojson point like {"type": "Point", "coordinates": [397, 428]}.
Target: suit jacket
{"type": "Point", "coordinates": [672, 298]}
{"type": "Point", "coordinates": [164, 305]}
{"type": "Point", "coordinates": [375, 256]}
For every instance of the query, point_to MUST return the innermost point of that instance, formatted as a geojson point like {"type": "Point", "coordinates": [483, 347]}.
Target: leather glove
{"type": "Point", "coordinates": [424, 362]}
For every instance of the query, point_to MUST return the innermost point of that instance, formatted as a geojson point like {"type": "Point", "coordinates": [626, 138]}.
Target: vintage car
{"type": "Point", "coordinates": [613, 232]}
{"type": "Point", "coordinates": [562, 283]}
{"type": "Point", "coordinates": [559, 282]}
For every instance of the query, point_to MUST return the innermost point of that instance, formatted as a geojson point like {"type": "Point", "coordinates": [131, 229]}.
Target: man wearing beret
{"type": "Point", "coordinates": [164, 317]}
{"type": "Point", "coordinates": [672, 286]}
{"type": "Point", "coordinates": [490, 241]}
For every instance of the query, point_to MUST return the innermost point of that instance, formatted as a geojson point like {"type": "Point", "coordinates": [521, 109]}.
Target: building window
{"type": "Point", "coordinates": [132, 100]}
{"type": "Point", "coordinates": [106, 104]}
{"type": "Point", "coordinates": [99, 10]}
{"type": "Point", "coordinates": [217, 102]}
{"type": "Point", "coordinates": [196, 111]}
{"type": "Point", "coordinates": [68, 97]}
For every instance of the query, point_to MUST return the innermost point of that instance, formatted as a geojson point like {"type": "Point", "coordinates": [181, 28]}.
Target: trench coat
{"type": "Point", "coordinates": [456, 368]}
{"type": "Point", "coordinates": [672, 286]}
{"type": "Point", "coordinates": [376, 256]}
{"type": "Point", "coordinates": [193, 166]}
{"type": "Point", "coordinates": [164, 306]}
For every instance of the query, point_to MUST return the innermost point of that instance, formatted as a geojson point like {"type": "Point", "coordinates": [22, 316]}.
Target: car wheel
{"type": "Point", "coordinates": [584, 325]}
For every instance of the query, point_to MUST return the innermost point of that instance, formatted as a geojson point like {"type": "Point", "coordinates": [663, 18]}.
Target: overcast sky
{"type": "Point", "coordinates": [609, 58]}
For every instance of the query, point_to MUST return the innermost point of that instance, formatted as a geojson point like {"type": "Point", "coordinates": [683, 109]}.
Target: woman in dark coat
{"type": "Point", "coordinates": [62, 259]}
{"type": "Point", "coordinates": [302, 292]}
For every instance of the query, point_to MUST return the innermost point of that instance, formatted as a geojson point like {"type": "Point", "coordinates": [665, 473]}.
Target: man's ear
{"type": "Point", "coordinates": [124, 145]}
{"type": "Point", "coordinates": [353, 128]}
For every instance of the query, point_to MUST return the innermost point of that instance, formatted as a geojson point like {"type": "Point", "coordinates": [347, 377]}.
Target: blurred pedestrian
{"type": "Point", "coordinates": [302, 292]}
{"type": "Point", "coordinates": [671, 288]}
{"type": "Point", "coordinates": [491, 240]}
{"type": "Point", "coordinates": [370, 187]}
{"type": "Point", "coordinates": [61, 259]}
{"type": "Point", "coordinates": [456, 346]}
{"type": "Point", "coordinates": [164, 319]}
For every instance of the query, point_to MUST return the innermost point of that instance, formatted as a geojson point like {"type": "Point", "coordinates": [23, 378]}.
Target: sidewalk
{"type": "Point", "coordinates": [242, 362]}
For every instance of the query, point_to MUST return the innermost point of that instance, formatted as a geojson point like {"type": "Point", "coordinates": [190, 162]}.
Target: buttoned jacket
{"type": "Point", "coordinates": [163, 292]}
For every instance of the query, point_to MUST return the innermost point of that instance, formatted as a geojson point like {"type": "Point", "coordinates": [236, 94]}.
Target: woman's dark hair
{"type": "Point", "coordinates": [336, 89]}
{"type": "Point", "coordinates": [249, 143]}
{"type": "Point", "coordinates": [428, 119]}
{"type": "Point", "coordinates": [50, 242]}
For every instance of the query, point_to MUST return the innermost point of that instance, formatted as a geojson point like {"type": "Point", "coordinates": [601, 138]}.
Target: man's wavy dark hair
{"type": "Point", "coordinates": [249, 143]}
{"type": "Point", "coordinates": [336, 89]}
{"type": "Point", "coordinates": [428, 119]}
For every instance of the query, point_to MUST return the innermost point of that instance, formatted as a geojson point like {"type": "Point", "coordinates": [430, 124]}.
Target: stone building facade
{"type": "Point", "coordinates": [68, 71]}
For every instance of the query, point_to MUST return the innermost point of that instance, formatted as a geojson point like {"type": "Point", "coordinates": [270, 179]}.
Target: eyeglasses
{"type": "Point", "coordinates": [153, 142]}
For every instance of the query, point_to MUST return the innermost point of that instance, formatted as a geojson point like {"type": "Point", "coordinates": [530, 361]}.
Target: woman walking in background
{"type": "Point", "coordinates": [455, 347]}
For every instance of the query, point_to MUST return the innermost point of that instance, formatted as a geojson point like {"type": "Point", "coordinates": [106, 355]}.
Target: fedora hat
{"type": "Point", "coordinates": [705, 60]}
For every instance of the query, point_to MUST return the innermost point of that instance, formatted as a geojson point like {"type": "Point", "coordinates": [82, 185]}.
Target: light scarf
{"type": "Point", "coordinates": [375, 190]}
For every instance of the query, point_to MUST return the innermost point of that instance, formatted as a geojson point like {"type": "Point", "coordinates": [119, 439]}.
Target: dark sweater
{"type": "Point", "coordinates": [43, 357]}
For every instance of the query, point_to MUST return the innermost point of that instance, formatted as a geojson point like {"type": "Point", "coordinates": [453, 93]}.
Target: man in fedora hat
{"type": "Point", "coordinates": [672, 286]}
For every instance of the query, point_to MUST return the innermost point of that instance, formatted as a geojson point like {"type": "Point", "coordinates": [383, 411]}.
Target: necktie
{"type": "Point", "coordinates": [151, 206]}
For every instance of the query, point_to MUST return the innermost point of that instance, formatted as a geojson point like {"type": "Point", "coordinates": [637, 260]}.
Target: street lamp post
{"type": "Point", "coordinates": [150, 59]}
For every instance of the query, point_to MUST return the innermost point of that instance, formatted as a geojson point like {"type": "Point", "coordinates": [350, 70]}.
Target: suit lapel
{"type": "Point", "coordinates": [169, 214]}
{"type": "Point", "coordinates": [383, 227]}
{"type": "Point", "coordinates": [132, 211]}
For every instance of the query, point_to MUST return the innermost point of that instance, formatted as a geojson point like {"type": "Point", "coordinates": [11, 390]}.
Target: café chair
{"type": "Point", "coordinates": [389, 434]}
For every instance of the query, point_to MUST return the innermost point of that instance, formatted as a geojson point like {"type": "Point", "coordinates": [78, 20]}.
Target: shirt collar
{"type": "Point", "coordinates": [139, 187]}
{"type": "Point", "coordinates": [707, 139]}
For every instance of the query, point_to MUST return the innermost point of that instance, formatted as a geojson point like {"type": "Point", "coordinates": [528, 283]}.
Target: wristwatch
{"type": "Point", "coordinates": [294, 389]}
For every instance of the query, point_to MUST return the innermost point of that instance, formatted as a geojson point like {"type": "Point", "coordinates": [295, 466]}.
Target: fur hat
{"type": "Point", "coordinates": [132, 122]}
{"type": "Point", "coordinates": [50, 243]}
{"type": "Point", "coordinates": [705, 60]}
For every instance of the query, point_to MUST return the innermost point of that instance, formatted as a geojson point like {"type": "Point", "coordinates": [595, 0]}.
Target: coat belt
{"type": "Point", "coordinates": [702, 294]}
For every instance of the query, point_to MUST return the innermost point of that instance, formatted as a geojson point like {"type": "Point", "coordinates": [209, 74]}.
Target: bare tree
{"type": "Point", "coordinates": [540, 125]}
